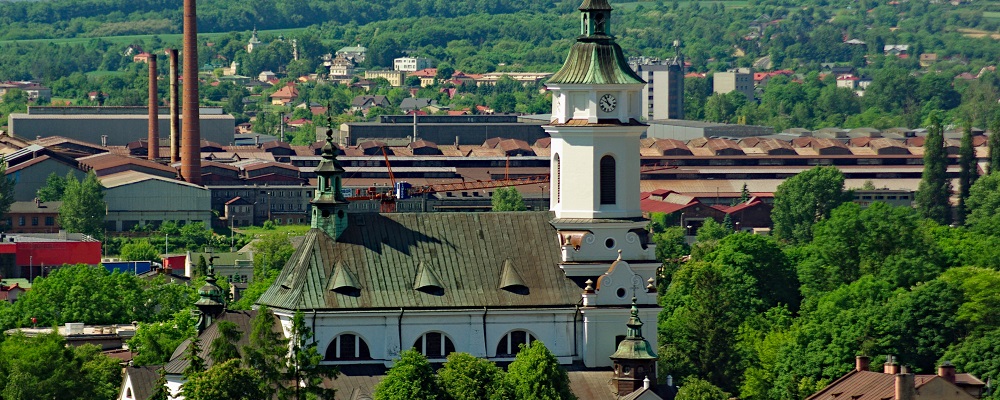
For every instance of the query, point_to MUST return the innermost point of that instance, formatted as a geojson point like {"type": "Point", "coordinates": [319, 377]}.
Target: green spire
{"type": "Point", "coordinates": [329, 207]}
{"type": "Point", "coordinates": [634, 347]}
{"type": "Point", "coordinates": [595, 58]}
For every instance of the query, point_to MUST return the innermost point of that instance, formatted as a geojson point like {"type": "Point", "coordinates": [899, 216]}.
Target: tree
{"type": "Point", "coordinates": [508, 199]}
{"type": "Point", "coordinates": [267, 349]}
{"type": "Point", "coordinates": [55, 187]}
{"type": "Point", "coordinates": [969, 171]}
{"type": "Point", "coordinates": [223, 347]}
{"type": "Point", "coordinates": [536, 374]}
{"type": "Point", "coordinates": [6, 189]}
{"type": "Point", "coordinates": [466, 377]}
{"type": "Point", "coordinates": [196, 364]}
{"type": "Point", "coordinates": [935, 188]}
{"type": "Point", "coordinates": [699, 389]}
{"type": "Point", "coordinates": [160, 390]}
{"type": "Point", "coordinates": [994, 145]}
{"type": "Point", "coordinates": [226, 381]}
{"type": "Point", "coordinates": [411, 377]}
{"type": "Point", "coordinates": [760, 258]}
{"type": "Point", "coordinates": [711, 230]}
{"type": "Point", "coordinates": [804, 199]}
{"type": "Point", "coordinates": [45, 367]}
{"type": "Point", "coordinates": [155, 342]}
{"type": "Point", "coordinates": [270, 253]}
{"type": "Point", "coordinates": [302, 369]}
{"type": "Point", "coordinates": [139, 250]}
{"type": "Point", "coordinates": [984, 204]}
{"type": "Point", "coordinates": [83, 208]}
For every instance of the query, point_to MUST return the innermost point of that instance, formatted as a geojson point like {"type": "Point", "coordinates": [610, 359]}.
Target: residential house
{"type": "Point", "coordinates": [895, 383]}
{"type": "Point", "coordinates": [142, 57]}
{"type": "Point", "coordinates": [365, 102]}
{"type": "Point", "coordinates": [928, 59]}
{"type": "Point", "coordinates": [415, 103]}
{"type": "Point", "coordinates": [266, 76]}
{"type": "Point", "coordinates": [897, 50]}
{"type": "Point", "coordinates": [354, 53]}
{"type": "Point", "coordinates": [428, 76]}
{"type": "Point", "coordinates": [341, 68]}
{"type": "Point", "coordinates": [285, 95]}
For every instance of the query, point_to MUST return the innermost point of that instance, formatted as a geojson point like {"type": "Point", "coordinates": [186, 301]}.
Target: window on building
{"type": "Point", "coordinates": [557, 179]}
{"type": "Point", "coordinates": [20, 221]}
{"type": "Point", "coordinates": [50, 221]}
{"type": "Point", "coordinates": [348, 347]}
{"type": "Point", "coordinates": [34, 221]}
{"type": "Point", "coordinates": [511, 343]}
{"type": "Point", "coordinates": [434, 345]}
{"type": "Point", "coordinates": [608, 180]}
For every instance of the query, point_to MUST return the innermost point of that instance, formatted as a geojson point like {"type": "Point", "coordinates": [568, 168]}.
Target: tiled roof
{"type": "Point", "coordinates": [465, 251]}
{"type": "Point", "coordinates": [31, 207]}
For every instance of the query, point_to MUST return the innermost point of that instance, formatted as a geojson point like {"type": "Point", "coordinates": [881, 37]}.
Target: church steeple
{"type": "Point", "coordinates": [595, 17]}
{"type": "Point", "coordinates": [635, 360]}
{"type": "Point", "coordinates": [211, 302]}
{"type": "Point", "coordinates": [329, 207]}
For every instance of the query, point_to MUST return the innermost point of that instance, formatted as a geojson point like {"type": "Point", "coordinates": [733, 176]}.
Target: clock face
{"type": "Point", "coordinates": [608, 103]}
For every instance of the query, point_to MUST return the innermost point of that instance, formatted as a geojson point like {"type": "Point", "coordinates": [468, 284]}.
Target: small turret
{"type": "Point", "coordinates": [329, 207]}
{"type": "Point", "coordinates": [635, 360]}
{"type": "Point", "coordinates": [211, 301]}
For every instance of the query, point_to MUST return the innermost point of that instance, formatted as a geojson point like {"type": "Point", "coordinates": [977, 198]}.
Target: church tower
{"type": "Point", "coordinates": [595, 130]}
{"type": "Point", "coordinates": [329, 207]}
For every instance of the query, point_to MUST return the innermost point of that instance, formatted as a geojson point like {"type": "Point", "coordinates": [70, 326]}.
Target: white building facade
{"type": "Point", "coordinates": [411, 64]}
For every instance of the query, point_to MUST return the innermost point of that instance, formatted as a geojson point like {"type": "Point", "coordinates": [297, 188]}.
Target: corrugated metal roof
{"type": "Point", "coordinates": [130, 177]}
{"type": "Point", "coordinates": [466, 252]}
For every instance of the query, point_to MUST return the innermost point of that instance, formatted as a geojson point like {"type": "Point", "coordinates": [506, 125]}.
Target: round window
{"type": "Point", "coordinates": [610, 243]}
{"type": "Point", "coordinates": [340, 213]}
{"type": "Point", "coordinates": [326, 213]}
{"type": "Point", "coordinates": [621, 293]}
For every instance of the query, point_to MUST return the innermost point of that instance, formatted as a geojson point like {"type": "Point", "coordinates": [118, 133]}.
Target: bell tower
{"type": "Point", "coordinates": [329, 207]}
{"type": "Point", "coordinates": [635, 361]}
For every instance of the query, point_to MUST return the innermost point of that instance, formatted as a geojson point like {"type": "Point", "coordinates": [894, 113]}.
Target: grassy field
{"type": "Point", "coordinates": [292, 230]}
{"type": "Point", "coordinates": [168, 38]}
{"type": "Point", "coordinates": [991, 14]}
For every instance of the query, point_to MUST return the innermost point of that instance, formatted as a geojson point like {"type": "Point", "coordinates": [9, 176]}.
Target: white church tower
{"type": "Point", "coordinates": [595, 130]}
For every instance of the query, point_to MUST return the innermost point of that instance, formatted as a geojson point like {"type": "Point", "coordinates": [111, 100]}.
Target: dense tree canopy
{"type": "Point", "coordinates": [805, 199]}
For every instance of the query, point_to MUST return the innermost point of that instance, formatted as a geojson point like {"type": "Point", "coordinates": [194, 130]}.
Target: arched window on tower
{"type": "Point", "coordinates": [557, 178]}
{"type": "Point", "coordinates": [348, 347]}
{"type": "Point", "coordinates": [434, 345]}
{"type": "Point", "coordinates": [510, 344]}
{"type": "Point", "coordinates": [608, 180]}
{"type": "Point", "coordinates": [599, 24]}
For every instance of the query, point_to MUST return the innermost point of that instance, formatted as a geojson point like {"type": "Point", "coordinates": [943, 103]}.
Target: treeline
{"type": "Point", "coordinates": [67, 18]}
{"type": "Point", "coordinates": [781, 317]}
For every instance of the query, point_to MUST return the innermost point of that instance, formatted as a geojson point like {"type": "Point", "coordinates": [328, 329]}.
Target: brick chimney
{"type": "Point", "coordinates": [153, 149]}
{"type": "Point", "coordinates": [947, 371]}
{"type": "Point", "coordinates": [175, 120]}
{"type": "Point", "coordinates": [890, 366]}
{"type": "Point", "coordinates": [905, 387]}
{"type": "Point", "coordinates": [862, 363]}
{"type": "Point", "coordinates": [191, 140]}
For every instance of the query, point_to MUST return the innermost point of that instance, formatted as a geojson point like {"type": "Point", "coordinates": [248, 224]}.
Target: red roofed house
{"type": "Point", "coordinates": [141, 57]}
{"type": "Point", "coordinates": [894, 383]}
{"type": "Point", "coordinates": [284, 96]}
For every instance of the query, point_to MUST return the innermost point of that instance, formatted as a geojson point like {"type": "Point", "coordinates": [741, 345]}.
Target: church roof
{"type": "Point", "coordinates": [596, 62]}
{"type": "Point", "coordinates": [428, 260]}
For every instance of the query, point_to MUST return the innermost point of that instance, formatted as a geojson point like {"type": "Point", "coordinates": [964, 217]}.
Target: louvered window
{"type": "Point", "coordinates": [348, 347]}
{"type": "Point", "coordinates": [608, 180]}
{"type": "Point", "coordinates": [510, 344]}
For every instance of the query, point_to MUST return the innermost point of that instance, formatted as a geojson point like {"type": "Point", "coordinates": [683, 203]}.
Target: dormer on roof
{"type": "Point", "coordinates": [343, 280]}
{"type": "Point", "coordinates": [510, 280]}
{"type": "Point", "coordinates": [427, 281]}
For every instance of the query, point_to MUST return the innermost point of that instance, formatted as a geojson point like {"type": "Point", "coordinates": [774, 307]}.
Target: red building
{"type": "Point", "coordinates": [28, 256]}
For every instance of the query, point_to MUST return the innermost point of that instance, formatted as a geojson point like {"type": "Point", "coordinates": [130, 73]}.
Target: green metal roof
{"type": "Point", "coordinates": [634, 347]}
{"type": "Point", "coordinates": [595, 5]}
{"type": "Point", "coordinates": [428, 260]}
{"type": "Point", "coordinates": [596, 61]}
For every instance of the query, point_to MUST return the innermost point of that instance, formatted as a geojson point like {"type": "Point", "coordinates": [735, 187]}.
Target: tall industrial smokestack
{"type": "Point", "coordinates": [175, 118]}
{"type": "Point", "coordinates": [153, 152]}
{"type": "Point", "coordinates": [190, 143]}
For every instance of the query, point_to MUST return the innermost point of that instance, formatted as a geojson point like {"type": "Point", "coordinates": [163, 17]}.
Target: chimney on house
{"type": "Point", "coordinates": [905, 387]}
{"type": "Point", "coordinates": [947, 371]}
{"type": "Point", "coordinates": [191, 142]}
{"type": "Point", "coordinates": [890, 366]}
{"type": "Point", "coordinates": [862, 363]}
{"type": "Point", "coordinates": [153, 150]}
{"type": "Point", "coordinates": [175, 121]}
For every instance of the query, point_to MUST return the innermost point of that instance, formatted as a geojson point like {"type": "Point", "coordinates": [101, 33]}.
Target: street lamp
{"type": "Point", "coordinates": [737, 226]}
{"type": "Point", "coordinates": [31, 265]}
